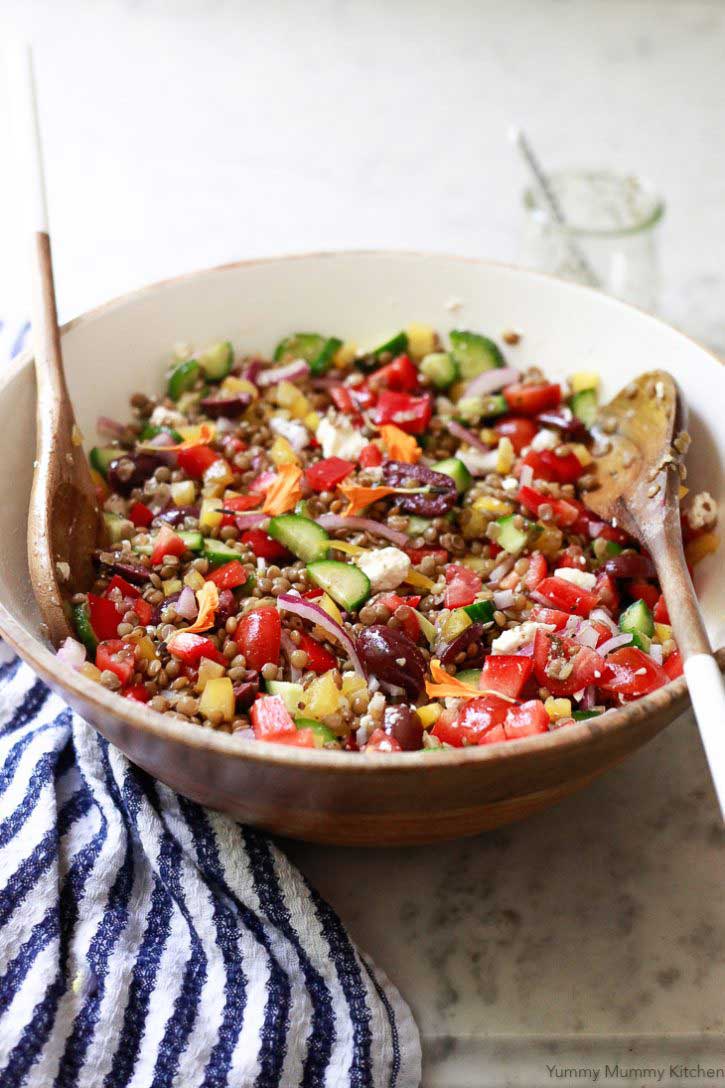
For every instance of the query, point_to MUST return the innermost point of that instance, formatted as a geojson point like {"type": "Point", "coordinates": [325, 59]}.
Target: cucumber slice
{"type": "Point", "coordinates": [494, 405]}
{"type": "Point", "coordinates": [316, 350]}
{"type": "Point", "coordinates": [470, 676]}
{"type": "Point", "coordinates": [182, 378]}
{"type": "Point", "coordinates": [457, 471]}
{"type": "Point", "coordinates": [290, 694]}
{"type": "Point", "coordinates": [322, 362]}
{"type": "Point", "coordinates": [216, 361]}
{"type": "Point", "coordinates": [84, 630]}
{"type": "Point", "coordinates": [302, 536]}
{"type": "Point", "coordinates": [216, 551]}
{"type": "Point", "coordinates": [345, 583]}
{"type": "Point", "coordinates": [101, 457]}
{"type": "Point", "coordinates": [511, 539]}
{"type": "Point", "coordinates": [480, 611]}
{"type": "Point", "coordinates": [582, 715]}
{"type": "Point", "coordinates": [584, 406]}
{"type": "Point", "coordinates": [115, 527]}
{"type": "Point", "coordinates": [150, 431]}
{"type": "Point", "coordinates": [637, 621]}
{"type": "Point", "coordinates": [323, 734]}
{"type": "Point", "coordinates": [192, 538]}
{"type": "Point", "coordinates": [440, 369]}
{"type": "Point", "coordinates": [395, 345]}
{"type": "Point", "coordinates": [474, 353]}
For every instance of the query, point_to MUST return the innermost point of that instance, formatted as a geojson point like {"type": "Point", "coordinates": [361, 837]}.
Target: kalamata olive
{"type": "Point", "coordinates": [175, 515]}
{"type": "Point", "coordinates": [134, 573]}
{"type": "Point", "coordinates": [630, 565]}
{"type": "Point", "coordinates": [472, 636]}
{"type": "Point", "coordinates": [402, 723]}
{"type": "Point", "coordinates": [227, 606]}
{"type": "Point", "coordinates": [228, 407]}
{"type": "Point", "coordinates": [245, 692]}
{"type": "Point", "coordinates": [565, 420]}
{"type": "Point", "coordinates": [437, 502]}
{"type": "Point", "coordinates": [132, 470]}
{"type": "Point", "coordinates": [392, 658]}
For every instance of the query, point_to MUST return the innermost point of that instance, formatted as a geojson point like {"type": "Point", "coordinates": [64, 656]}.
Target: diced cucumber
{"type": "Point", "coordinates": [101, 457]}
{"type": "Point", "coordinates": [494, 405]}
{"type": "Point", "coordinates": [480, 611]}
{"type": "Point", "coordinates": [417, 525]}
{"type": "Point", "coordinates": [116, 527]}
{"type": "Point", "coordinates": [216, 361]}
{"type": "Point", "coordinates": [612, 548]}
{"type": "Point", "coordinates": [582, 715]}
{"type": "Point", "coordinates": [316, 350]}
{"type": "Point", "coordinates": [216, 551]}
{"type": "Point", "coordinates": [394, 346]}
{"type": "Point", "coordinates": [457, 471]}
{"type": "Point", "coordinates": [474, 353]}
{"type": "Point", "coordinates": [584, 406]}
{"type": "Point", "coordinates": [345, 583]}
{"type": "Point", "coordinates": [511, 539]}
{"type": "Point", "coordinates": [150, 431]}
{"type": "Point", "coordinates": [302, 536]}
{"type": "Point", "coordinates": [182, 378]}
{"type": "Point", "coordinates": [637, 621]}
{"type": "Point", "coordinates": [322, 362]}
{"type": "Point", "coordinates": [84, 630]}
{"type": "Point", "coordinates": [290, 694]}
{"type": "Point", "coordinates": [440, 369]}
{"type": "Point", "coordinates": [471, 677]}
{"type": "Point", "coordinates": [323, 733]}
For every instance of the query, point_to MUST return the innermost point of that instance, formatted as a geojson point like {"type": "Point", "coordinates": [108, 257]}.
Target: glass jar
{"type": "Point", "coordinates": [611, 221]}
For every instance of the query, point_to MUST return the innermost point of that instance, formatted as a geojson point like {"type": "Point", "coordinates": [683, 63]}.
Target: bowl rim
{"type": "Point", "coordinates": [168, 728]}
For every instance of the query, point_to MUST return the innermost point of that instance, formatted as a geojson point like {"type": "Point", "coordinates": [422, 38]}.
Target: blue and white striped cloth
{"type": "Point", "coordinates": [147, 942]}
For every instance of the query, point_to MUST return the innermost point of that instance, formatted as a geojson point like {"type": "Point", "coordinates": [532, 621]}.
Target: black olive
{"type": "Point", "coordinates": [131, 470]}
{"type": "Point", "coordinates": [228, 407]}
{"type": "Point", "coordinates": [436, 502]}
{"type": "Point", "coordinates": [174, 515]}
{"type": "Point", "coordinates": [402, 723]}
{"type": "Point", "coordinates": [392, 658]}
{"type": "Point", "coordinates": [471, 635]}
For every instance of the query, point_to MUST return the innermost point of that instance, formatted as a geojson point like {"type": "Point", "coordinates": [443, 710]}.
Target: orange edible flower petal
{"type": "Point", "coordinates": [207, 434]}
{"type": "Point", "coordinates": [284, 492]}
{"type": "Point", "coordinates": [360, 497]}
{"type": "Point", "coordinates": [445, 686]}
{"type": "Point", "coordinates": [208, 600]}
{"type": "Point", "coordinates": [399, 445]}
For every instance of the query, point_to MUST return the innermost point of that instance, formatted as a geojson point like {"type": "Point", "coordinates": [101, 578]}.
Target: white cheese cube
{"type": "Point", "coordinates": [385, 567]}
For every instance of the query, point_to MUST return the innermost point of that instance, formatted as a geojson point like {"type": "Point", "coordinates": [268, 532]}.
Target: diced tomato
{"type": "Point", "coordinates": [140, 515]}
{"type": "Point", "coordinates": [462, 585]}
{"type": "Point", "coordinates": [233, 444]}
{"type": "Point", "coordinates": [229, 575]}
{"type": "Point", "coordinates": [319, 659]}
{"type": "Point", "coordinates": [408, 621]}
{"type": "Point", "coordinates": [506, 673]}
{"type": "Point", "coordinates": [167, 543]}
{"type": "Point", "coordinates": [195, 460]}
{"type": "Point", "coordinates": [263, 545]}
{"type": "Point", "coordinates": [326, 474]}
{"type": "Point", "coordinates": [604, 633]}
{"type": "Point", "coordinates": [393, 601]}
{"type": "Point", "coordinates": [143, 610]}
{"type": "Point", "coordinates": [301, 738]}
{"type": "Point", "coordinates": [529, 400]}
{"type": "Point", "coordinates": [494, 549]}
{"type": "Point", "coordinates": [673, 664]}
{"type": "Point", "coordinates": [380, 741]}
{"type": "Point", "coordinates": [259, 636]}
{"type": "Point", "coordinates": [606, 590]}
{"type": "Point", "coordinates": [538, 569]}
{"type": "Point", "coordinates": [312, 593]}
{"type": "Point", "coordinates": [632, 672]}
{"type": "Point", "coordinates": [471, 722]}
{"type": "Point", "coordinates": [104, 617]}
{"type": "Point", "coordinates": [573, 557]}
{"type": "Point", "coordinates": [644, 591]}
{"type": "Point", "coordinates": [660, 613]}
{"type": "Point", "coordinates": [127, 590]}
{"type": "Point", "coordinates": [411, 414]}
{"type": "Point", "coordinates": [495, 735]}
{"type": "Point", "coordinates": [117, 657]}
{"type": "Point", "coordinates": [418, 554]}
{"type": "Point", "coordinates": [260, 484]}
{"type": "Point", "coordinates": [526, 720]}
{"type": "Point", "coordinates": [556, 619]}
{"type": "Point", "coordinates": [138, 693]}
{"type": "Point", "coordinates": [564, 470]}
{"type": "Point", "coordinates": [371, 456]}
{"type": "Point", "coordinates": [566, 596]}
{"type": "Point", "coordinates": [588, 667]}
{"type": "Point", "coordinates": [240, 503]}
{"type": "Point", "coordinates": [341, 398]}
{"type": "Point", "coordinates": [363, 397]}
{"type": "Point", "coordinates": [189, 648]}
{"type": "Point", "coordinates": [270, 718]}
{"type": "Point", "coordinates": [400, 375]}
{"type": "Point", "coordinates": [564, 511]}
{"type": "Point", "coordinates": [517, 429]}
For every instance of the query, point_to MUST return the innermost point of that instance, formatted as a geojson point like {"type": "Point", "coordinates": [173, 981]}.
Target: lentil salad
{"type": "Point", "coordinates": [375, 550]}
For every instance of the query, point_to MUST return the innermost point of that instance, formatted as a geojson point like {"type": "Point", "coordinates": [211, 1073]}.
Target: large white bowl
{"type": "Point", "coordinates": [124, 346]}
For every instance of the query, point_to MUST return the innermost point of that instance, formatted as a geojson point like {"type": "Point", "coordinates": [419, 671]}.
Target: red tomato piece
{"type": "Point", "coordinates": [471, 722]}
{"type": "Point", "coordinates": [260, 484]}
{"type": "Point", "coordinates": [418, 554]}
{"type": "Point", "coordinates": [167, 543]}
{"type": "Point", "coordinates": [189, 648]}
{"type": "Point", "coordinates": [319, 659]}
{"type": "Point", "coordinates": [673, 664]}
{"type": "Point", "coordinates": [529, 400]}
{"type": "Point", "coordinates": [495, 735]}
{"type": "Point", "coordinates": [371, 456]}
{"type": "Point", "coordinates": [240, 503]}
{"type": "Point", "coordinates": [195, 460]}
{"type": "Point", "coordinates": [127, 590]}
{"type": "Point", "coordinates": [259, 637]}
{"type": "Point", "coordinates": [538, 570]}
{"type": "Point", "coordinates": [263, 545]}
{"type": "Point", "coordinates": [138, 693]}
{"type": "Point", "coordinates": [588, 667]}
{"type": "Point", "coordinates": [381, 742]}
{"type": "Point", "coordinates": [143, 610]}
{"type": "Point", "coordinates": [411, 414]}
{"type": "Point", "coordinates": [518, 430]}
{"type": "Point", "coordinates": [660, 613]}
{"type": "Point", "coordinates": [312, 593]}
{"type": "Point", "coordinates": [326, 474]}
{"type": "Point", "coordinates": [506, 673]}
{"type": "Point", "coordinates": [400, 375]}
{"type": "Point", "coordinates": [409, 622]}
{"type": "Point", "coordinates": [566, 596]}
{"type": "Point", "coordinates": [606, 590]}
{"type": "Point", "coordinates": [565, 512]}
{"type": "Point", "coordinates": [301, 738]}
{"type": "Point", "coordinates": [140, 515]}
{"type": "Point", "coordinates": [270, 718]}
{"type": "Point", "coordinates": [526, 720]}
{"type": "Point", "coordinates": [340, 396]}
{"type": "Point", "coordinates": [229, 575]}
{"type": "Point", "coordinates": [644, 591]}
{"type": "Point", "coordinates": [552, 616]}
{"type": "Point", "coordinates": [117, 657]}
{"type": "Point", "coordinates": [462, 585]}
{"type": "Point", "coordinates": [573, 557]}
{"type": "Point", "coordinates": [565, 470]}
{"type": "Point", "coordinates": [104, 617]}
{"type": "Point", "coordinates": [632, 672]}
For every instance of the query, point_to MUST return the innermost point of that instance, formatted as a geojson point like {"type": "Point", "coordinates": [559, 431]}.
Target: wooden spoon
{"type": "Point", "coordinates": [64, 519]}
{"type": "Point", "coordinates": [640, 443]}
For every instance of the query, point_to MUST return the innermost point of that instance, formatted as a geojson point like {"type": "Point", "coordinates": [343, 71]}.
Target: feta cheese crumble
{"type": "Point", "coordinates": [581, 578]}
{"type": "Point", "coordinates": [385, 567]}
{"type": "Point", "coordinates": [508, 642]}
{"type": "Point", "coordinates": [340, 440]}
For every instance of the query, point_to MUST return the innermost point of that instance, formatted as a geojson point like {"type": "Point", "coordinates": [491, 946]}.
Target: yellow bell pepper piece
{"type": "Point", "coordinates": [208, 670]}
{"type": "Point", "coordinates": [557, 708]}
{"type": "Point", "coordinates": [183, 492]}
{"type": "Point", "coordinates": [493, 506]}
{"type": "Point", "coordinates": [663, 632]}
{"type": "Point", "coordinates": [233, 385]}
{"type": "Point", "coordinates": [281, 452]}
{"type": "Point", "coordinates": [217, 478]}
{"type": "Point", "coordinates": [421, 340]}
{"type": "Point", "coordinates": [345, 354]}
{"type": "Point", "coordinates": [218, 697]}
{"type": "Point", "coordinates": [429, 714]}
{"type": "Point", "coordinates": [584, 379]}
{"type": "Point", "coordinates": [352, 683]}
{"type": "Point", "coordinates": [321, 697]}
{"type": "Point", "coordinates": [145, 648]}
{"type": "Point", "coordinates": [581, 453]}
{"type": "Point", "coordinates": [90, 671]}
{"type": "Point", "coordinates": [421, 581]}
{"type": "Point", "coordinates": [328, 605]}
{"type": "Point", "coordinates": [700, 546]}
{"type": "Point", "coordinates": [171, 586]}
{"type": "Point", "coordinates": [505, 458]}
{"type": "Point", "coordinates": [312, 421]}
{"type": "Point", "coordinates": [210, 513]}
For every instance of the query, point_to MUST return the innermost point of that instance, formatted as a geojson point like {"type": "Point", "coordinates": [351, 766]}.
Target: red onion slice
{"type": "Point", "coordinates": [589, 698]}
{"type": "Point", "coordinates": [290, 372]}
{"type": "Point", "coordinates": [308, 610]}
{"type": "Point", "coordinates": [614, 643]}
{"type": "Point", "coordinates": [363, 525]}
{"type": "Point", "coordinates": [186, 605]}
{"type": "Point", "coordinates": [501, 571]}
{"type": "Point", "coordinates": [71, 653]}
{"type": "Point", "coordinates": [289, 648]}
{"type": "Point", "coordinates": [464, 435]}
{"type": "Point", "coordinates": [491, 381]}
{"type": "Point", "coordinates": [587, 635]}
{"type": "Point", "coordinates": [527, 476]}
{"type": "Point", "coordinates": [111, 428]}
{"type": "Point", "coordinates": [655, 652]}
{"type": "Point", "coordinates": [504, 598]}
{"type": "Point", "coordinates": [598, 615]}
{"type": "Point", "coordinates": [251, 520]}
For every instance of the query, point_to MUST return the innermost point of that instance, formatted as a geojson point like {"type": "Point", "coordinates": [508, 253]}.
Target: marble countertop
{"type": "Point", "coordinates": [182, 133]}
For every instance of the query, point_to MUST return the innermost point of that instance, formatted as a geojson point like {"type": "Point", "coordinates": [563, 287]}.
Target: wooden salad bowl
{"type": "Point", "coordinates": [124, 346]}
